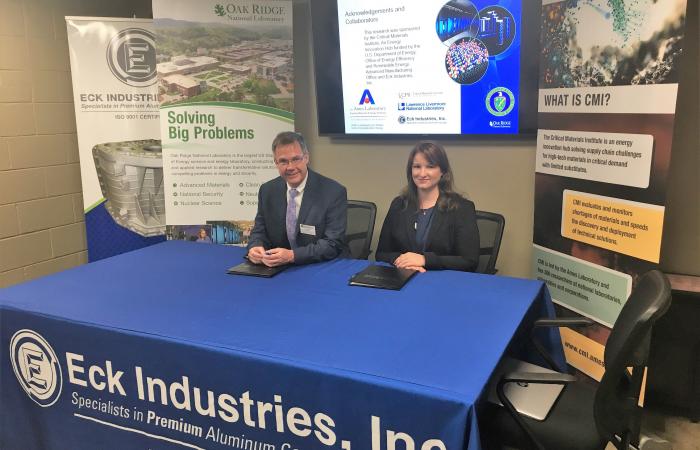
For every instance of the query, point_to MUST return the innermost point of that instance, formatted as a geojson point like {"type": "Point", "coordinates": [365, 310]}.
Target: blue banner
{"type": "Point", "coordinates": [127, 390]}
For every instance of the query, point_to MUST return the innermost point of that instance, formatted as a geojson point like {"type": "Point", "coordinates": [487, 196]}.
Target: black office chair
{"type": "Point", "coordinates": [360, 228]}
{"type": "Point", "coordinates": [490, 227]}
{"type": "Point", "coordinates": [587, 416]}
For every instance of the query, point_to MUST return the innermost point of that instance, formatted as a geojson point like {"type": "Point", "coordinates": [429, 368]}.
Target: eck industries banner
{"type": "Point", "coordinates": [226, 89]}
{"type": "Point", "coordinates": [116, 113]}
{"type": "Point", "coordinates": [607, 98]}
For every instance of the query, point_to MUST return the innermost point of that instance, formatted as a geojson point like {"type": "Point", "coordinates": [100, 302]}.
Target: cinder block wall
{"type": "Point", "coordinates": [42, 228]}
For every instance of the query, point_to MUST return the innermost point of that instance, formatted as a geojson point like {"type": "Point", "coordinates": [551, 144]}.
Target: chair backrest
{"type": "Point", "coordinates": [360, 227]}
{"type": "Point", "coordinates": [616, 411]}
{"type": "Point", "coordinates": [490, 227]}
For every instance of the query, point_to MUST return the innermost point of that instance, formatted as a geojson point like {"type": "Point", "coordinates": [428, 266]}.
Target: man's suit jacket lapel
{"type": "Point", "coordinates": [307, 201]}
{"type": "Point", "coordinates": [280, 205]}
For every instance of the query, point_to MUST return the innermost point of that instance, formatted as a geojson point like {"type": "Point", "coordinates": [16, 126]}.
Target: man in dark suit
{"type": "Point", "coordinates": [301, 215]}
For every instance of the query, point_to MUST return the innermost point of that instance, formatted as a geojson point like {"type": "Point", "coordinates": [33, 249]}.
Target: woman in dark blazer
{"type": "Point", "coordinates": [429, 226]}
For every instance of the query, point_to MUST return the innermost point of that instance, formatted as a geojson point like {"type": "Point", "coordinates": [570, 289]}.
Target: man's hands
{"type": "Point", "coordinates": [271, 258]}
{"type": "Point", "coordinates": [412, 261]}
{"type": "Point", "coordinates": [256, 254]}
{"type": "Point", "coordinates": [278, 257]}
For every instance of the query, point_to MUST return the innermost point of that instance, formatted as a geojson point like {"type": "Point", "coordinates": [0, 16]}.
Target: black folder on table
{"type": "Point", "coordinates": [255, 270]}
{"type": "Point", "coordinates": [382, 277]}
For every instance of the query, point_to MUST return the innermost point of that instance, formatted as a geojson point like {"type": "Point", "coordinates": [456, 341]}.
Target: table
{"type": "Point", "coordinates": [160, 349]}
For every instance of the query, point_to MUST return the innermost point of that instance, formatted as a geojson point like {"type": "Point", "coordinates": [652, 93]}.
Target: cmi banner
{"type": "Point", "coordinates": [226, 89]}
{"type": "Point", "coordinates": [607, 98]}
{"type": "Point", "coordinates": [116, 113]}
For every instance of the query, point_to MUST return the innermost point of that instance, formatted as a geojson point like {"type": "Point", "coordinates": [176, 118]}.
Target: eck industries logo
{"type": "Point", "coordinates": [366, 98]}
{"type": "Point", "coordinates": [131, 56]}
{"type": "Point", "coordinates": [36, 367]}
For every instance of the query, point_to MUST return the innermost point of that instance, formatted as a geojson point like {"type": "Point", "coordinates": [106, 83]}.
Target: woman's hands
{"type": "Point", "coordinates": [410, 260]}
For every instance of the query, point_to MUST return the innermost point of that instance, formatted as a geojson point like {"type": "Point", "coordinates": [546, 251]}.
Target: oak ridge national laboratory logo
{"type": "Point", "coordinates": [36, 367]}
{"type": "Point", "coordinates": [131, 56]}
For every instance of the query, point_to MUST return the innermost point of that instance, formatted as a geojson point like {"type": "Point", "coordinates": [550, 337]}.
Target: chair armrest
{"type": "Point", "coordinates": [565, 322]}
{"type": "Point", "coordinates": [559, 322]}
{"type": "Point", "coordinates": [537, 378]}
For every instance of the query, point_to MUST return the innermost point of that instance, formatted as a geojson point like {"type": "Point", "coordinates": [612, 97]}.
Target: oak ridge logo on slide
{"type": "Point", "coordinates": [131, 56]}
{"type": "Point", "coordinates": [36, 367]}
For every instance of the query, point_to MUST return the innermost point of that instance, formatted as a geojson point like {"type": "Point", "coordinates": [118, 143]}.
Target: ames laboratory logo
{"type": "Point", "coordinates": [500, 101]}
{"type": "Point", "coordinates": [36, 367]}
{"type": "Point", "coordinates": [366, 98]}
{"type": "Point", "coordinates": [131, 56]}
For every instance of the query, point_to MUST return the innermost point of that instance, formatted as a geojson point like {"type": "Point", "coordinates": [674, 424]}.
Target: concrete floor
{"type": "Point", "coordinates": [665, 432]}
{"type": "Point", "coordinates": [680, 432]}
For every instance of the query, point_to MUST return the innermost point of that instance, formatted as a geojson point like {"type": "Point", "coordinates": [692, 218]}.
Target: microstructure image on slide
{"type": "Point", "coordinates": [473, 36]}
{"type": "Point", "coordinates": [457, 19]}
{"type": "Point", "coordinates": [467, 60]}
{"type": "Point", "coordinates": [496, 29]}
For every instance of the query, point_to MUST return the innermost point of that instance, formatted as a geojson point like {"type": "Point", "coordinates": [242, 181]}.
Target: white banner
{"type": "Point", "coordinates": [226, 86]}
{"type": "Point", "coordinates": [649, 99]}
{"type": "Point", "coordinates": [618, 158]}
{"type": "Point", "coordinates": [116, 109]}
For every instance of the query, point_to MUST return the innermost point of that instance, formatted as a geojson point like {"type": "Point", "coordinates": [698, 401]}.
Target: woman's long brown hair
{"type": "Point", "coordinates": [436, 155]}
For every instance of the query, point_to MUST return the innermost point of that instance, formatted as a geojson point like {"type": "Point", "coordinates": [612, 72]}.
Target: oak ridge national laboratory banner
{"type": "Point", "coordinates": [226, 89]}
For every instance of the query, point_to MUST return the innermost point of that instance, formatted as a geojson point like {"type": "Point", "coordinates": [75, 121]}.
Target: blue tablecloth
{"type": "Point", "coordinates": [161, 349]}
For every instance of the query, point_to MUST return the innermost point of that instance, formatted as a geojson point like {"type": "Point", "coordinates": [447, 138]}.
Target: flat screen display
{"type": "Point", "coordinates": [426, 67]}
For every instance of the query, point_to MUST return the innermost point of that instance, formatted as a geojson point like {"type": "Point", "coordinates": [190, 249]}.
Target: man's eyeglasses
{"type": "Point", "coordinates": [287, 162]}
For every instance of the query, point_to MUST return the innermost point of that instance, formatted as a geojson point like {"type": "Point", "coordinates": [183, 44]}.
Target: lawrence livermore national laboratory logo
{"type": "Point", "coordinates": [500, 101]}
{"type": "Point", "coordinates": [131, 56]}
{"type": "Point", "coordinates": [36, 367]}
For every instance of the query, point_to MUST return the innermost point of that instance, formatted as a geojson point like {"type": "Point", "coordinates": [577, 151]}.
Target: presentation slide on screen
{"type": "Point", "coordinates": [430, 67]}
